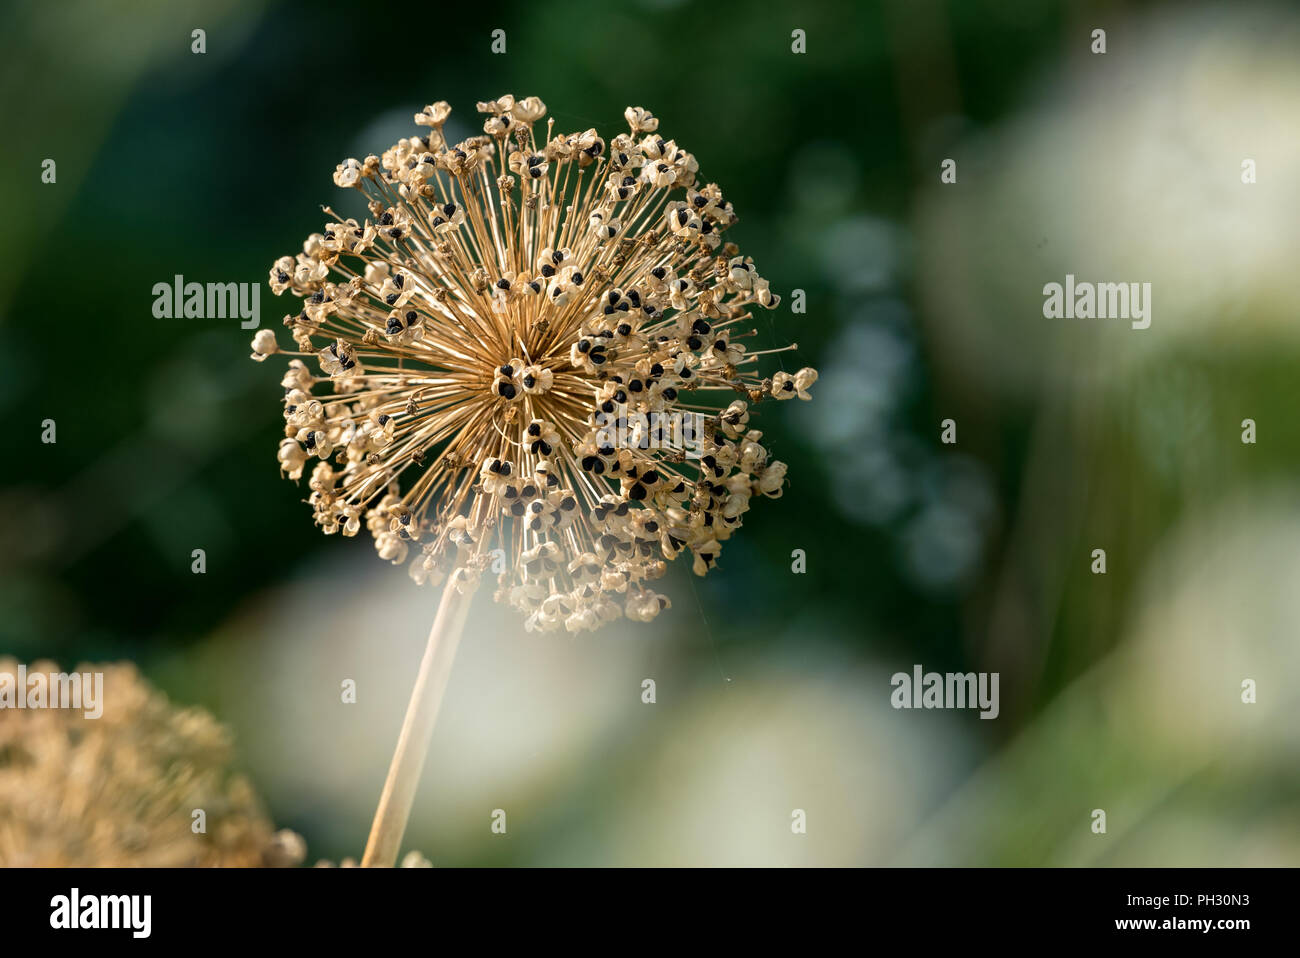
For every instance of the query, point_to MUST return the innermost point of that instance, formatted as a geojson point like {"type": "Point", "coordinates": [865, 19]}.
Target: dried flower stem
{"type": "Point", "coordinates": [417, 729]}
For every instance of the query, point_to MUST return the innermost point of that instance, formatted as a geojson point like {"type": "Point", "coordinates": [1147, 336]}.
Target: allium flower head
{"type": "Point", "coordinates": [529, 360]}
{"type": "Point", "coordinates": [122, 789]}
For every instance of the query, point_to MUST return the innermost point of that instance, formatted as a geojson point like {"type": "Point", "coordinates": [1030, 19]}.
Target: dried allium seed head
{"type": "Point", "coordinates": [121, 789]}
{"type": "Point", "coordinates": [531, 345]}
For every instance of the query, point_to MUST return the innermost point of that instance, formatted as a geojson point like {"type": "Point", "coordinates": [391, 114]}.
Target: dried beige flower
{"type": "Point", "coordinates": [121, 790]}
{"type": "Point", "coordinates": [522, 349]}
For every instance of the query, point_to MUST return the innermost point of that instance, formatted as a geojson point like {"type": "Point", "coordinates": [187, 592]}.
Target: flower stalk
{"type": "Point", "coordinates": [417, 729]}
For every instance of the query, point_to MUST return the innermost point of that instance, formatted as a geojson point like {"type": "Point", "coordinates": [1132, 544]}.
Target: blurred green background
{"type": "Point", "coordinates": [924, 302]}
